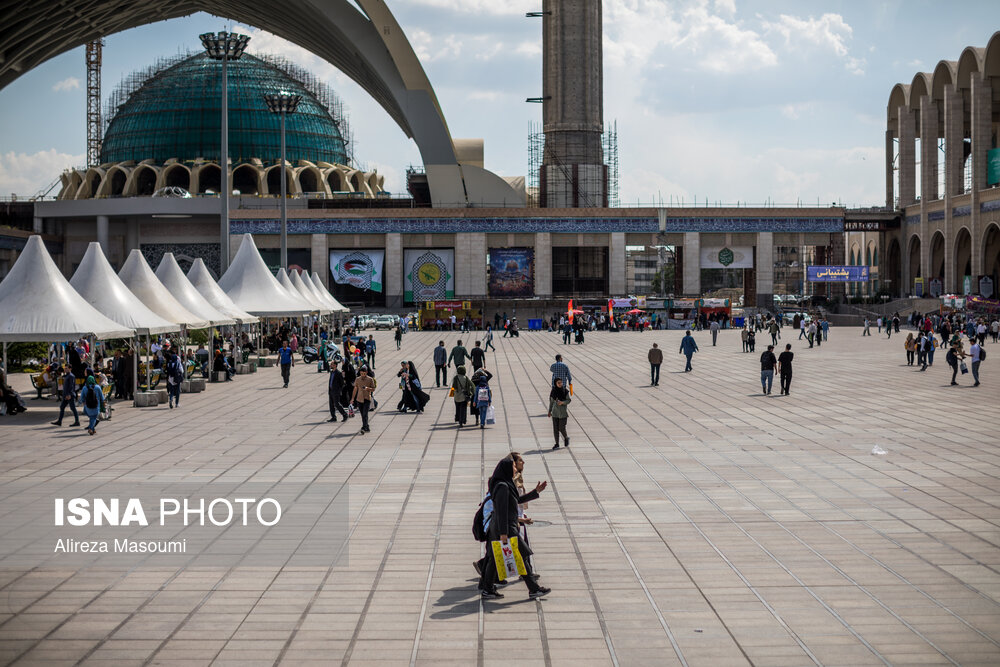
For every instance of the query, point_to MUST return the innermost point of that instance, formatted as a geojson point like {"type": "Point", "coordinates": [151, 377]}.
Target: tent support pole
{"type": "Point", "coordinates": [135, 368]}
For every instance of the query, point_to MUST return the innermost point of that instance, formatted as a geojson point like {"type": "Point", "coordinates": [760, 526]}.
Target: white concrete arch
{"type": "Point", "coordinates": [90, 183]}
{"type": "Point", "coordinates": [944, 75]}
{"type": "Point", "coordinates": [71, 180]}
{"type": "Point", "coordinates": [271, 181]}
{"type": "Point", "coordinates": [143, 181]}
{"type": "Point", "coordinates": [309, 178]}
{"type": "Point", "coordinates": [969, 62]}
{"type": "Point", "coordinates": [176, 174]}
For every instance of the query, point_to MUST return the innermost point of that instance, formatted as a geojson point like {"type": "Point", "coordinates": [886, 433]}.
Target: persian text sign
{"type": "Point", "coordinates": [837, 274]}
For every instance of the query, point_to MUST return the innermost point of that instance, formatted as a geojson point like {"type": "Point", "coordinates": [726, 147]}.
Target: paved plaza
{"type": "Point", "coordinates": [694, 523]}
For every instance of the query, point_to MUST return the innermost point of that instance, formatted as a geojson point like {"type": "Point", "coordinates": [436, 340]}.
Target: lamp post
{"type": "Point", "coordinates": [224, 46]}
{"type": "Point", "coordinates": [283, 103]}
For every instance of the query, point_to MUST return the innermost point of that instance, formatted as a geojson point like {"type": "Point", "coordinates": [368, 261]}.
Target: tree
{"type": "Point", "coordinates": [663, 280]}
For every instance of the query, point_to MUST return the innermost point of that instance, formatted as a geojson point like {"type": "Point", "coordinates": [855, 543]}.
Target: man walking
{"type": "Point", "coordinates": [440, 365]}
{"type": "Point", "coordinates": [714, 328]}
{"type": "Point", "coordinates": [370, 351]}
{"type": "Point", "coordinates": [785, 369]}
{"type": "Point", "coordinates": [488, 345]}
{"type": "Point", "coordinates": [772, 329]}
{"type": "Point", "coordinates": [655, 359]}
{"type": "Point", "coordinates": [286, 360]}
{"type": "Point", "coordinates": [458, 356]}
{"type": "Point", "coordinates": [560, 371]}
{"type": "Point", "coordinates": [478, 357]}
{"type": "Point", "coordinates": [802, 329]}
{"type": "Point", "coordinates": [175, 375]}
{"type": "Point", "coordinates": [68, 398]}
{"type": "Point", "coordinates": [567, 330]}
{"type": "Point", "coordinates": [688, 348]}
{"type": "Point", "coordinates": [335, 391]}
{"type": "Point", "coordinates": [767, 363]}
{"type": "Point", "coordinates": [868, 325]}
{"type": "Point", "coordinates": [976, 355]}
{"type": "Point", "coordinates": [363, 388]}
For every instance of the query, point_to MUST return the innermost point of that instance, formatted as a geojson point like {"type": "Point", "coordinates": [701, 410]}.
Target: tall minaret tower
{"type": "Point", "coordinates": [573, 173]}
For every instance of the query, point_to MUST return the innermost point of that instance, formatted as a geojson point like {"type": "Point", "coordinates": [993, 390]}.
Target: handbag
{"type": "Point", "coordinates": [963, 367]}
{"type": "Point", "coordinates": [451, 392]}
{"type": "Point", "coordinates": [491, 415]}
{"type": "Point", "coordinates": [508, 559]}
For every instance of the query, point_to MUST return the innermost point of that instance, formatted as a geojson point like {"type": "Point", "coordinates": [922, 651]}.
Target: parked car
{"type": "Point", "coordinates": [385, 322]}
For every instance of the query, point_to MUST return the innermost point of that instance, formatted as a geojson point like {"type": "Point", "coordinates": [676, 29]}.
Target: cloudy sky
{"type": "Point", "coordinates": [725, 100]}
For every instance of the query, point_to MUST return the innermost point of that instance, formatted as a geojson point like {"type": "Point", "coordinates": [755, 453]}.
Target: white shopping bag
{"type": "Point", "coordinates": [491, 415]}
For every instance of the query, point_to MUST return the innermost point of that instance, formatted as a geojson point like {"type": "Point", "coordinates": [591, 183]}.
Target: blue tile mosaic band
{"type": "Point", "coordinates": [961, 211]}
{"type": "Point", "coordinates": [988, 206]}
{"type": "Point", "coordinates": [934, 216]}
{"type": "Point", "coordinates": [913, 219]}
{"type": "Point", "coordinates": [533, 225]}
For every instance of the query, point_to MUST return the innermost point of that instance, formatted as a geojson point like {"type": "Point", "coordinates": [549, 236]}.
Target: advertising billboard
{"type": "Point", "coordinates": [837, 274]}
{"type": "Point", "coordinates": [430, 274]}
{"type": "Point", "coordinates": [359, 268]}
{"type": "Point", "coordinates": [512, 272]}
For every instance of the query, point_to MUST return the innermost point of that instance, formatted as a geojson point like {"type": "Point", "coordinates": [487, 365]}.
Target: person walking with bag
{"type": "Point", "coordinates": [93, 403]}
{"type": "Point", "coordinates": [504, 524]}
{"type": "Point", "coordinates": [482, 397]}
{"type": "Point", "coordinates": [462, 388]}
{"type": "Point", "coordinates": [440, 364]}
{"type": "Point", "coordinates": [558, 400]}
{"type": "Point", "coordinates": [175, 375]}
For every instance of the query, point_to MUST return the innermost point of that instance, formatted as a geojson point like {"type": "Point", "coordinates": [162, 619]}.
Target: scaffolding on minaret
{"type": "Point", "coordinates": [94, 101]}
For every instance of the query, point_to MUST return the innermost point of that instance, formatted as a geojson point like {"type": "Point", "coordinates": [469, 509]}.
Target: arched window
{"type": "Point", "coordinates": [868, 256]}
{"type": "Point", "coordinates": [875, 256]}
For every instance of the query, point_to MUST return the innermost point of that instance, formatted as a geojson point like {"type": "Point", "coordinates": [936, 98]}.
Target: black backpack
{"type": "Point", "coordinates": [982, 353]}
{"type": "Point", "coordinates": [478, 530]}
{"type": "Point", "coordinates": [91, 399]}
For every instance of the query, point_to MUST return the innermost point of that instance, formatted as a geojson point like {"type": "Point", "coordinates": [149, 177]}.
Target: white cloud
{"type": "Point", "coordinates": [829, 32]}
{"type": "Point", "coordinates": [69, 83]}
{"type": "Point", "coordinates": [24, 175]}
{"type": "Point", "coordinates": [480, 7]}
{"type": "Point", "coordinates": [715, 43]}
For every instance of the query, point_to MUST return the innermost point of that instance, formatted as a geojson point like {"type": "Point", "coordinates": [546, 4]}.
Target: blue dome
{"type": "Point", "coordinates": [176, 113]}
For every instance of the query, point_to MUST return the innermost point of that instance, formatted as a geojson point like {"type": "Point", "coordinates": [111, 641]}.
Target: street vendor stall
{"type": "Point", "coordinates": [432, 311]}
{"type": "Point", "coordinates": [681, 313]}
{"type": "Point", "coordinates": [717, 307]}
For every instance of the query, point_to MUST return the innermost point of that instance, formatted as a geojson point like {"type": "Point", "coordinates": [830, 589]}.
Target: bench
{"type": "Point", "coordinates": [41, 388]}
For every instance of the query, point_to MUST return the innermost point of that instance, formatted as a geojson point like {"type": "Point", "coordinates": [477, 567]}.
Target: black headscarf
{"type": "Point", "coordinates": [413, 371]}
{"type": "Point", "coordinates": [504, 472]}
{"type": "Point", "coordinates": [559, 393]}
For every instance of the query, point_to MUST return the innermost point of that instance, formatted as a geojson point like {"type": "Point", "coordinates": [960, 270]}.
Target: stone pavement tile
{"type": "Point", "coordinates": [30, 626]}
{"type": "Point", "coordinates": [122, 652]}
{"type": "Point", "coordinates": [57, 652]}
{"type": "Point", "coordinates": [87, 625]}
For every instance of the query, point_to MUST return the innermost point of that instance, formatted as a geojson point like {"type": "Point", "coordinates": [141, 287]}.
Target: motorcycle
{"type": "Point", "coordinates": [311, 355]}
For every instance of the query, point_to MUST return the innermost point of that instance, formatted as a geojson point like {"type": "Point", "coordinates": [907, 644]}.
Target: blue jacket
{"type": "Point", "coordinates": [285, 354]}
{"type": "Point", "coordinates": [440, 355]}
{"type": "Point", "coordinates": [688, 345]}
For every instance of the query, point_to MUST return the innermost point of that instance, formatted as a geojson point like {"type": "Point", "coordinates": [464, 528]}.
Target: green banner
{"type": "Point", "coordinates": [993, 166]}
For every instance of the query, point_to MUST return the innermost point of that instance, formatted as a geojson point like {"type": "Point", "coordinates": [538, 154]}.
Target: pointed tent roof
{"type": "Point", "coordinates": [170, 274]}
{"type": "Point", "coordinates": [326, 293]}
{"type": "Point", "coordinates": [98, 283]}
{"type": "Point", "coordinates": [37, 303]}
{"type": "Point", "coordinates": [320, 294]}
{"type": "Point", "coordinates": [139, 278]}
{"type": "Point", "coordinates": [252, 287]}
{"type": "Point", "coordinates": [308, 294]}
{"type": "Point", "coordinates": [203, 281]}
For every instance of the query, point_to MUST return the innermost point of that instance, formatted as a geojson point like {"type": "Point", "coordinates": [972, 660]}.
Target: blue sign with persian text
{"type": "Point", "coordinates": [837, 274]}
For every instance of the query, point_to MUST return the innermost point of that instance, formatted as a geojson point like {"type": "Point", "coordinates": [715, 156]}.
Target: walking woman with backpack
{"type": "Point", "coordinates": [503, 524]}
{"type": "Point", "coordinates": [482, 397]}
{"type": "Point", "coordinates": [93, 403]}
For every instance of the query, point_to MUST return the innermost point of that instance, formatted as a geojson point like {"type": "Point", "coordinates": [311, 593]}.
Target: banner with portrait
{"type": "Point", "coordinates": [362, 269]}
{"type": "Point", "coordinates": [512, 272]}
{"type": "Point", "coordinates": [430, 274]}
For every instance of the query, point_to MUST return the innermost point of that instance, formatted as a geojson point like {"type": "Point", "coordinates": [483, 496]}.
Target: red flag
{"type": "Point", "coordinates": [569, 309]}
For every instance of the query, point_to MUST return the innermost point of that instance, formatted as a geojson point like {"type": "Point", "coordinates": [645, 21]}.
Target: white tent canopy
{"type": "Point", "coordinates": [321, 293]}
{"type": "Point", "coordinates": [170, 274]}
{"type": "Point", "coordinates": [37, 303]}
{"type": "Point", "coordinates": [203, 281]}
{"type": "Point", "coordinates": [282, 277]}
{"type": "Point", "coordinates": [252, 287]}
{"type": "Point", "coordinates": [307, 283]}
{"type": "Point", "coordinates": [325, 293]}
{"type": "Point", "coordinates": [307, 294]}
{"type": "Point", "coordinates": [98, 283]}
{"type": "Point", "coordinates": [139, 278]}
